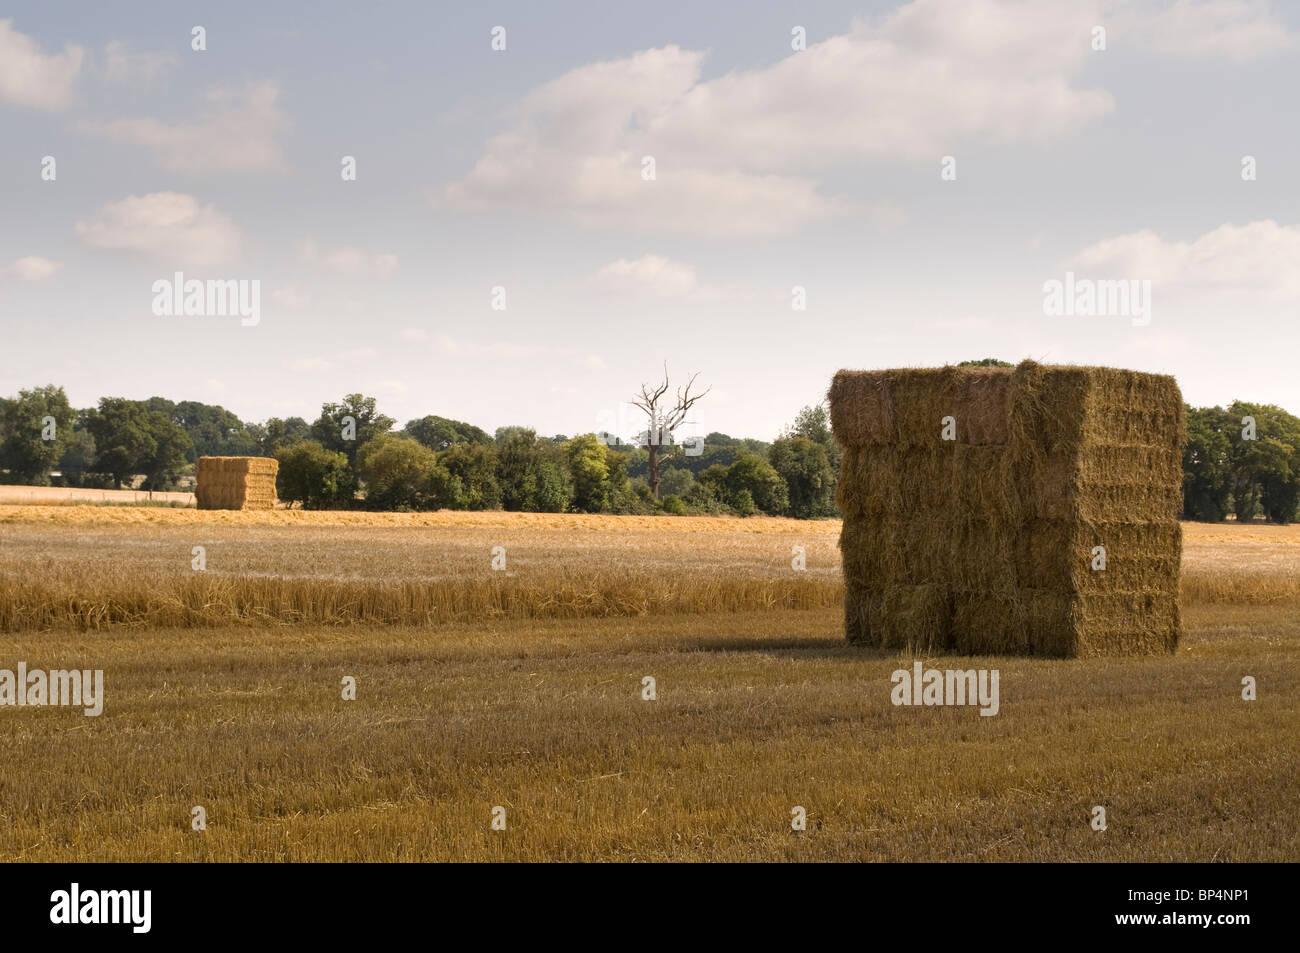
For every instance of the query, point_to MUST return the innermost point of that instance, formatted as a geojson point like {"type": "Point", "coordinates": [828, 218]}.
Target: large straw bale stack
{"type": "Point", "coordinates": [236, 483]}
{"type": "Point", "coordinates": [984, 544]}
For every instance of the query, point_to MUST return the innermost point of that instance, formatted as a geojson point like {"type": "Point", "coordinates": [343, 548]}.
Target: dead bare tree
{"type": "Point", "coordinates": [662, 418]}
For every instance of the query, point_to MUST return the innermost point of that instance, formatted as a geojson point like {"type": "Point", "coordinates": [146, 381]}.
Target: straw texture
{"type": "Point", "coordinates": [985, 543]}
{"type": "Point", "coordinates": [235, 483]}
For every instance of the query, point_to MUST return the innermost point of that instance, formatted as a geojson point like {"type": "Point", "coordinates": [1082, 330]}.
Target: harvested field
{"type": "Point", "coordinates": [756, 712]}
{"type": "Point", "coordinates": [96, 567]}
{"type": "Point", "coordinates": [760, 707]}
{"type": "Point", "coordinates": [77, 496]}
{"type": "Point", "coordinates": [93, 568]}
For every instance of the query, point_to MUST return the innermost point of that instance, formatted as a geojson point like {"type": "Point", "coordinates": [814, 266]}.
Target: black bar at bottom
{"type": "Point", "coordinates": [303, 902]}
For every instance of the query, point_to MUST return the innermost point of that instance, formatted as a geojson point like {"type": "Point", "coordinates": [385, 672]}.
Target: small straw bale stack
{"type": "Point", "coordinates": [236, 483]}
{"type": "Point", "coordinates": [985, 544]}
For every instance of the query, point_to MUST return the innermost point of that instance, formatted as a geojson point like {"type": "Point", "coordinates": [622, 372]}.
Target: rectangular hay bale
{"type": "Point", "coordinates": [235, 483]}
{"type": "Point", "coordinates": [985, 543]}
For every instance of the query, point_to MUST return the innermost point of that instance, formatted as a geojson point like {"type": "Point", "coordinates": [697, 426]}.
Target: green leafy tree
{"type": "Point", "coordinates": [809, 479]}
{"type": "Point", "coordinates": [331, 426]}
{"type": "Point", "coordinates": [814, 423]}
{"type": "Point", "coordinates": [714, 479]}
{"type": "Point", "coordinates": [171, 452]}
{"type": "Point", "coordinates": [400, 473]}
{"type": "Point", "coordinates": [531, 476]}
{"type": "Point", "coordinates": [599, 474]}
{"type": "Point", "coordinates": [213, 430]}
{"type": "Point", "coordinates": [706, 497]}
{"type": "Point", "coordinates": [1267, 468]}
{"type": "Point", "coordinates": [35, 429]}
{"type": "Point", "coordinates": [276, 434]}
{"type": "Point", "coordinates": [471, 468]}
{"type": "Point", "coordinates": [754, 475]}
{"type": "Point", "coordinates": [639, 501]}
{"type": "Point", "coordinates": [742, 503]}
{"type": "Point", "coordinates": [553, 489]}
{"type": "Point", "coordinates": [504, 435]}
{"type": "Point", "coordinates": [986, 362]}
{"type": "Point", "coordinates": [313, 476]}
{"type": "Point", "coordinates": [440, 433]}
{"type": "Point", "coordinates": [676, 481]}
{"type": "Point", "coordinates": [77, 463]}
{"type": "Point", "coordinates": [123, 434]}
{"type": "Point", "coordinates": [1207, 464]}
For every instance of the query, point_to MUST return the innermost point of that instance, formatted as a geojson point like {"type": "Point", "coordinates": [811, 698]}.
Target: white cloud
{"type": "Point", "coordinates": [416, 335]}
{"type": "Point", "coordinates": [653, 279]}
{"type": "Point", "coordinates": [124, 65]}
{"type": "Point", "coordinates": [733, 153]}
{"type": "Point", "coordinates": [31, 268]}
{"type": "Point", "coordinates": [29, 77]}
{"type": "Point", "coordinates": [237, 133]}
{"type": "Point", "coordinates": [1237, 29]}
{"type": "Point", "coordinates": [1258, 258]}
{"type": "Point", "coordinates": [168, 227]}
{"type": "Point", "coordinates": [649, 274]}
{"type": "Point", "coordinates": [355, 263]}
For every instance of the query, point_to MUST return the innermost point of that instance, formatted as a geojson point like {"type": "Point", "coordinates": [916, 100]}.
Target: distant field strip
{"type": "Point", "coordinates": [91, 567]}
{"type": "Point", "coordinates": [73, 496]}
{"type": "Point", "coordinates": [95, 567]}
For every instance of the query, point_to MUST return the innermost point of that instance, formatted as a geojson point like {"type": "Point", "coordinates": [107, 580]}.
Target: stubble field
{"type": "Point", "coordinates": [522, 689]}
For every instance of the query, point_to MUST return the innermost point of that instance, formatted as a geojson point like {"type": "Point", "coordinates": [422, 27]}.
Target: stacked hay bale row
{"type": "Point", "coordinates": [985, 543]}
{"type": "Point", "coordinates": [236, 483]}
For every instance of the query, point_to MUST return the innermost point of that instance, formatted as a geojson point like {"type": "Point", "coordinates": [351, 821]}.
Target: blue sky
{"type": "Point", "coordinates": [522, 168]}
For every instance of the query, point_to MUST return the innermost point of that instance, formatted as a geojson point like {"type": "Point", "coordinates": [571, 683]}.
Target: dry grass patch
{"type": "Point", "coordinates": [757, 712]}
{"type": "Point", "coordinates": [94, 567]}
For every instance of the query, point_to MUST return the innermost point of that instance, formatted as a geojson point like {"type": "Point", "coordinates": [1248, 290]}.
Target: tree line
{"type": "Point", "coordinates": [353, 456]}
{"type": "Point", "coordinates": [1242, 460]}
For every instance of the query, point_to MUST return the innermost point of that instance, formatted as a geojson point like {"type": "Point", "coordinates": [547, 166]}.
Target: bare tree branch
{"type": "Point", "coordinates": [662, 421]}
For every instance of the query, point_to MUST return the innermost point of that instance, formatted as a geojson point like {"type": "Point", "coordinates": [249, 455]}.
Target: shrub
{"type": "Point", "coordinates": [673, 504]}
{"type": "Point", "coordinates": [703, 499]}
{"type": "Point", "coordinates": [743, 503]}
{"type": "Point", "coordinates": [676, 481]}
